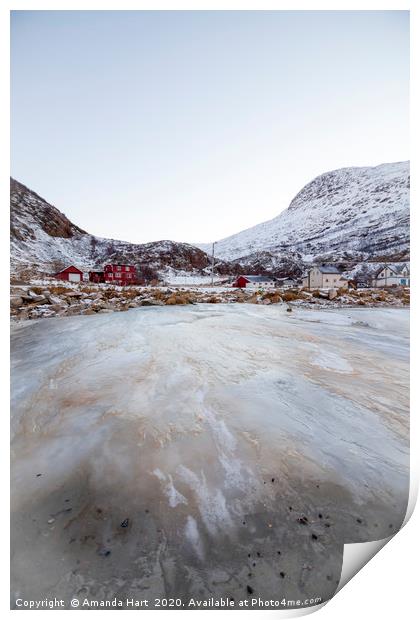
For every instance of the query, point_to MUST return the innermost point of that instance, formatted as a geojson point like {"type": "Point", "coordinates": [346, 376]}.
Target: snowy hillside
{"type": "Point", "coordinates": [361, 212]}
{"type": "Point", "coordinates": [43, 240]}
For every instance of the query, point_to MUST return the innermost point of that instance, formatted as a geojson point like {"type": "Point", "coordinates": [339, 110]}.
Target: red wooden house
{"type": "Point", "coordinates": [96, 276]}
{"type": "Point", "coordinates": [71, 273]}
{"type": "Point", "coordinates": [120, 274]}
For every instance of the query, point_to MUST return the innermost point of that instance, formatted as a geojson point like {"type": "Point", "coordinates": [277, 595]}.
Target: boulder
{"type": "Point", "coordinates": [16, 301]}
{"type": "Point", "coordinates": [74, 294]}
{"type": "Point", "coordinates": [332, 294]}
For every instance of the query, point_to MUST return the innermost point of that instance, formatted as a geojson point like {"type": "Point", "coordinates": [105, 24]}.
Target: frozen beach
{"type": "Point", "coordinates": [205, 451]}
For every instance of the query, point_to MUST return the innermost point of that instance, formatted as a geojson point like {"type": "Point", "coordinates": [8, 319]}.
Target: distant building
{"type": "Point", "coordinates": [324, 276]}
{"type": "Point", "coordinates": [286, 283]}
{"type": "Point", "coordinates": [396, 274]}
{"type": "Point", "coordinates": [96, 276]}
{"type": "Point", "coordinates": [120, 274]}
{"type": "Point", "coordinates": [71, 274]}
{"type": "Point", "coordinates": [254, 282]}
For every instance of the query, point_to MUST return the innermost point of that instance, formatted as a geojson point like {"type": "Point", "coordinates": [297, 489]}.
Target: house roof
{"type": "Point", "coordinates": [257, 278]}
{"type": "Point", "coordinates": [397, 268]}
{"type": "Point", "coordinates": [328, 269]}
{"type": "Point", "coordinates": [67, 269]}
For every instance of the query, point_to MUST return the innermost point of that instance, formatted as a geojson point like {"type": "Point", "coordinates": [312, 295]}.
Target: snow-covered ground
{"type": "Point", "coordinates": [205, 450]}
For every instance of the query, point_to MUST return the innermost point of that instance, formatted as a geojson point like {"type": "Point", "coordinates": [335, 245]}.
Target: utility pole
{"type": "Point", "coordinates": [212, 263]}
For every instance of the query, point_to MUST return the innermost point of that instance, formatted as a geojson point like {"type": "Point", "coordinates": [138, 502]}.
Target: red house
{"type": "Point", "coordinates": [253, 282]}
{"type": "Point", "coordinates": [96, 276]}
{"type": "Point", "coordinates": [120, 274]}
{"type": "Point", "coordinates": [72, 274]}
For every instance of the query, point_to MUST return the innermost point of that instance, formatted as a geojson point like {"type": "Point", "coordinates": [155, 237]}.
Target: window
{"type": "Point", "coordinates": [118, 275]}
{"type": "Point", "coordinates": [119, 267]}
{"type": "Point", "coordinates": [127, 268]}
{"type": "Point", "coordinates": [326, 279]}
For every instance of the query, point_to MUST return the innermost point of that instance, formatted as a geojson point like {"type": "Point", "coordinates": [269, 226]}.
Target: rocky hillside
{"type": "Point", "coordinates": [351, 214]}
{"type": "Point", "coordinates": [43, 241]}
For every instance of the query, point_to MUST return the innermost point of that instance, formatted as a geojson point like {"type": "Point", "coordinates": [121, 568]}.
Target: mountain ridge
{"type": "Point", "coordinates": [314, 224]}
{"type": "Point", "coordinates": [347, 216]}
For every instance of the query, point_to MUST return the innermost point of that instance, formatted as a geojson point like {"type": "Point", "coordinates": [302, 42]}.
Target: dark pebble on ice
{"type": "Point", "coordinates": [258, 554]}
{"type": "Point", "coordinates": [279, 552]}
{"type": "Point", "coordinates": [124, 523]}
{"type": "Point", "coordinates": [249, 589]}
{"type": "Point", "coordinates": [327, 525]}
{"type": "Point", "coordinates": [254, 564]}
{"type": "Point", "coordinates": [390, 525]}
{"type": "Point", "coordinates": [272, 479]}
{"type": "Point", "coordinates": [147, 510]}
{"type": "Point", "coordinates": [104, 552]}
{"type": "Point", "coordinates": [243, 523]}
{"type": "Point", "coordinates": [249, 574]}
{"type": "Point", "coordinates": [282, 575]}
{"type": "Point", "coordinates": [38, 475]}
{"type": "Point", "coordinates": [329, 577]}
{"type": "Point", "coordinates": [320, 516]}
{"type": "Point", "coordinates": [290, 508]}
{"type": "Point", "coordinates": [249, 555]}
{"type": "Point", "coordinates": [302, 520]}
{"type": "Point", "coordinates": [359, 520]}
{"type": "Point", "coordinates": [314, 537]}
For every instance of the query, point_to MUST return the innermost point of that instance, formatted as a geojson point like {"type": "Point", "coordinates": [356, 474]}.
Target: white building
{"type": "Point", "coordinates": [255, 282]}
{"type": "Point", "coordinates": [324, 277]}
{"type": "Point", "coordinates": [395, 274]}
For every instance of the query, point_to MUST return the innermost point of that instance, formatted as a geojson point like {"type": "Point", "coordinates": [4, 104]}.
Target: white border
{"type": "Point", "coordinates": [387, 586]}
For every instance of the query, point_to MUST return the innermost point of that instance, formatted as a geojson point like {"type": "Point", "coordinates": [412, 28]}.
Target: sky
{"type": "Point", "coordinates": [194, 125]}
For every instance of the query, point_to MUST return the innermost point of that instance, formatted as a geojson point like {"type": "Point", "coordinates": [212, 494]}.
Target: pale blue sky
{"type": "Point", "coordinates": [195, 125]}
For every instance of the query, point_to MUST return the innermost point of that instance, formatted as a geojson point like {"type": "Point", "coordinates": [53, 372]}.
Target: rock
{"type": "Point", "coordinates": [125, 523]}
{"type": "Point", "coordinates": [323, 294]}
{"type": "Point", "coordinates": [332, 294]}
{"type": "Point", "coordinates": [55, 300]}
{"type": "Point", "coordinates": [149, 302]}
{"type": "Point", "coordinates": [305, 295]}
{"type": "Point", "coordinates": [74, 294]}
{"type": "Point", "coordinates": [33, 298]}
{"type": "Point", "coordinates": [16, 301]}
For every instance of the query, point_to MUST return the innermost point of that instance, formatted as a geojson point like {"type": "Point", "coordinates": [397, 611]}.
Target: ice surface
{"type": "Point", "coordinates": [212, 429]}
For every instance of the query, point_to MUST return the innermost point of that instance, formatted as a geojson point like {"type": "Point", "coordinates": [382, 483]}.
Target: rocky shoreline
{"type": "Point", "coordinates": [47, 299]}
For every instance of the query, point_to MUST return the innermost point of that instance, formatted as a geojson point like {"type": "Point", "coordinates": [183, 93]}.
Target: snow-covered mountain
{"type": "Point", "coordinates": [351, 213]}
{"type": "Point", "coordinates": [43, 240]}
{"type": "Point", "coordinates": [349, 216]}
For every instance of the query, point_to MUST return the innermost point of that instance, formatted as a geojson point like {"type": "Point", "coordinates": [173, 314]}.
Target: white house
{"type": "Point", "coordinates": [324, 276]}
{"type": "Point", "coordinates": [395, 274]}
{"type": "Point", "coordinates": [255, 282]}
